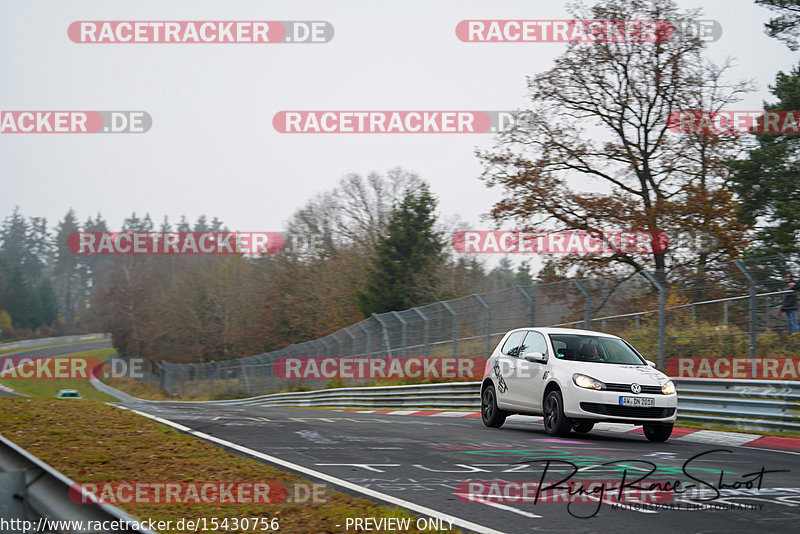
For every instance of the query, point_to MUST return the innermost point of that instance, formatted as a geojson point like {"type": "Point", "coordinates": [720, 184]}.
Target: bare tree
{"type": "Point", "coordinates": [599, 120]}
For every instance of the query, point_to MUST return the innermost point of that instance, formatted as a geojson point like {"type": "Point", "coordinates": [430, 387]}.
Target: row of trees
{"type": "Point", "coordinates": [371, 244]}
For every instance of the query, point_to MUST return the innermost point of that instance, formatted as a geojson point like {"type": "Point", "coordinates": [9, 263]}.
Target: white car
{"type": "Point", "coordinates": [576, 378]}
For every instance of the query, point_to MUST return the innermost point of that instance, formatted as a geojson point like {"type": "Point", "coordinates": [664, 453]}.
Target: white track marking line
{"type": "Point", "coordinates": [430, 512]}
{"type": "Point", "coordinates": [506, 508]}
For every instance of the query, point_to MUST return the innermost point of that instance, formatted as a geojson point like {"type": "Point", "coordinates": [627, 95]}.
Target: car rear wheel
{"type": "Point", "coordinates": [555, 422]}
{"type": "Point", "coordinates": [491, 415]}
{"type": "Point", "coordinates": [583, 427]}
{"type": "Point", "coordinates": [657, 433]}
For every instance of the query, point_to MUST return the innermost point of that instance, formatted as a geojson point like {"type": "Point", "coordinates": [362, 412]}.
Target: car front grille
{"type": "Point", "coordinates": [627, 411]}
{"type": "Point", "coordinates": [626, 388]}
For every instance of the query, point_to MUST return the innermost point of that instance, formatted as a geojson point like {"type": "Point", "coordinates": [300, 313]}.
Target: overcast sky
{"type": "Point", "coordinates": [212, 148]}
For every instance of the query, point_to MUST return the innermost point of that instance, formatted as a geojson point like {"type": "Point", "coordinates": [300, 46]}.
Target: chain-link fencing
{"type": "Point", "coordinates": [731, 313]}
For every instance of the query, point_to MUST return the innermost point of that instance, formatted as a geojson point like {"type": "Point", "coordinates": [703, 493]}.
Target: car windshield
{"type": "Point", "coordinates": [596, 349]}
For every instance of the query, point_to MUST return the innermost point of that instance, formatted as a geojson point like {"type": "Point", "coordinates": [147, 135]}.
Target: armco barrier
{"type": "Point", "coordinates": [32, 343]}
{"type": "Point", "coordinates": [33, 489]}
{"type": "Point", "coordinates": [746, 404]}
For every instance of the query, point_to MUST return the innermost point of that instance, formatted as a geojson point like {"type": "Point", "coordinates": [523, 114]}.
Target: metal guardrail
{"type": "Point", "coordinates": [32, 343]}
{"type": "Point", "coordinates": [746, 404]}
{"type": "Point", "coordinates": [32, 489]}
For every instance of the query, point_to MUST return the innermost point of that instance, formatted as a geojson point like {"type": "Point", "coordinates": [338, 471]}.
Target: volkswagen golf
{"type": "Point", "coordinates": [574, 379]}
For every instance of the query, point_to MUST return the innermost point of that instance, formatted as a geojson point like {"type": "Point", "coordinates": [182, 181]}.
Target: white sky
{"type": "Point", "coordinates": [212, 148]}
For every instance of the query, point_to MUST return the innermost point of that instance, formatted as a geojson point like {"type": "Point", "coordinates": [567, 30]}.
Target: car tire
{"type": "Point", "coordinates": [583, 427]}
{"type": "Point", "coordinates": [491, 415]}
{"type": "Point", "coordinates": [555, 422]}
{"type": "Point", "coordinates": [657, 433]}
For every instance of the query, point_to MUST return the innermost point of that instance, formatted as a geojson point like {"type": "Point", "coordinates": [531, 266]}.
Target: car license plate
{"type": "Point", "coordinates": [637, 401]}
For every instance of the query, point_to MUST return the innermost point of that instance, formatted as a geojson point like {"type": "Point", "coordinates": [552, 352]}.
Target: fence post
{"type": "Point", "coordinates": [403, 338]}
{"type": "Point", "coordinates": [340, 348]}
{"type": "Point", "coordinates": [455, 327]}
{"type": "Point", "coordinates": [425, 335]}
{"type": "Point", "coordinates": [352, 340]}
{"type": "Point", "coordinates": [662, 315]}
{"type": "Point", "coordinates": [367, 335]}
{"type": "Point", "coordinates": [587, 316]}
{"type": "Point", "coordinates": [751, 281]}
{"type": "Point", "coordinates": [532, 302]}
{"type": "Point", "coordinates": [385, 335]}
{"type": "Point", "coordinates": [488, 324]}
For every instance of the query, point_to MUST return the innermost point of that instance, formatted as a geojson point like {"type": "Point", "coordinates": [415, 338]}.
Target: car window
{"type": "Point", "coordinates": [534, 342]}
{"type": "Point", "coordinates": [595, 349]}
{"type": "Point", "coordinates": [512, 345]}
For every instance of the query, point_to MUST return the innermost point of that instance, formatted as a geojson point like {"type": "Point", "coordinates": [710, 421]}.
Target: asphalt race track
{"type": "Point", "coordinates": [49, 352]}
{"type": "Point", "coordinates": [423, 459]}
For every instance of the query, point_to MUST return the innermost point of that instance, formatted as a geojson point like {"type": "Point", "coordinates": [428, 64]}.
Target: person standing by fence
{"type": "Point", "coordinates": [789, 306]}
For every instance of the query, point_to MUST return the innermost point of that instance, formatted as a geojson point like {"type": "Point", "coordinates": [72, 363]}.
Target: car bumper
{"type": "Point", "coordinates": [605, 406]}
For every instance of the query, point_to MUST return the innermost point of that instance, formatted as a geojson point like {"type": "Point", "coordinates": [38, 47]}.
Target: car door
{"type": "Point", "coordinates": [505, 366]}
{"type": "Point", "coordinates": [525, 383]}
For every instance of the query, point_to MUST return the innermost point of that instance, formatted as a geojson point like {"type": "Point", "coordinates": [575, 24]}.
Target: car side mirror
{"type": "Point", "coordinates": [537, 357]}
{"type": "Point", "coordinates": [651, 364]}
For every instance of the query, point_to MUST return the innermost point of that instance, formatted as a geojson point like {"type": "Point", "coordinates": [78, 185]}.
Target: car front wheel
{"type": "Point", "coordinates": [491, 415]}
{"type": "Point", "coordinates": [657, 433]}
{"type": "Point", "coordinates": [555, 422]}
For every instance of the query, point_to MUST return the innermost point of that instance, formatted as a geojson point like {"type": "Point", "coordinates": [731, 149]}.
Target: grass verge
{"type": "Point", "coordinates": [41, 387]}
{"type": "Point", "coordinates": [93, 442]}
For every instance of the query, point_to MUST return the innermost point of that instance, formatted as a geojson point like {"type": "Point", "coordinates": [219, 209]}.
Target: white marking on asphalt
{"type": "Point", "coordinates": [506, 508]}
{"type": "Point", "coordinates": [720, 438]}
{"type": "Point", "coordinates": [414, 507]}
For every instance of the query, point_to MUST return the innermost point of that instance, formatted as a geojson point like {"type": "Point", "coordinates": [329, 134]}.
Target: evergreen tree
{"type": "Point", "coordinates": [47, 306]}
{"type": "Point", "coordinates": [402, 273]}
{"type": "Point", "coordinates": [18, 299]}
{"type": "Point", "coordinates": [67, 270]}
{"type": "Point", "coordinates": [767, 182]}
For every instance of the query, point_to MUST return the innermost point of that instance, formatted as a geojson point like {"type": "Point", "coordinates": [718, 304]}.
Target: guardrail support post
{"type": "Point", "coordinates": [753, 327]}
{"type": "Point", "coordinates": [662, 316]}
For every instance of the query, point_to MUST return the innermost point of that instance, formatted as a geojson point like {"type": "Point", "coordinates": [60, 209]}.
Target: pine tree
{"type": "Point", "coordinates": [767, 182]}
{"type": "Point", "coordinates": [46, 305]}
{"type": "Point", "coordinates": [402, 273]}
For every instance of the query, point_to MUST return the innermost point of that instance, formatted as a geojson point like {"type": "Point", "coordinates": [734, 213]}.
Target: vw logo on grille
{"type": "Point", "coordinates": [636, 388]}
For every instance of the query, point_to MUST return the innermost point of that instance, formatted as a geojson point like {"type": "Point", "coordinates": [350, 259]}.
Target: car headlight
{"type": "Point", "coordinates": [583, 381]}
{"type": "Point", "coordinates": [668, 388]}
